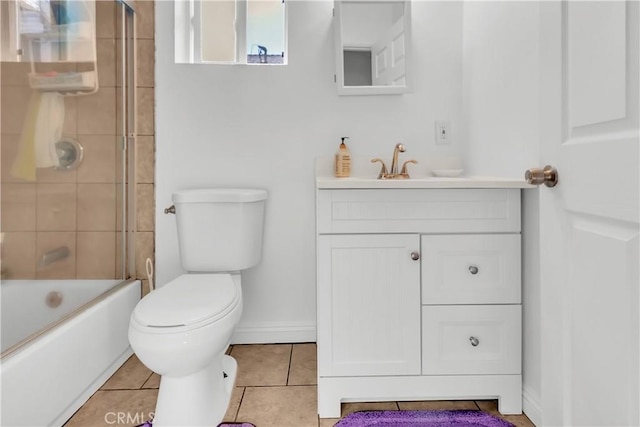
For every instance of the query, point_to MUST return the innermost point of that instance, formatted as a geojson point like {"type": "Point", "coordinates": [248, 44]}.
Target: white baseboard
{"type": "Point", "coordinates": [274, 332]}
{"type": "Point", "coordinates": [531, 406]}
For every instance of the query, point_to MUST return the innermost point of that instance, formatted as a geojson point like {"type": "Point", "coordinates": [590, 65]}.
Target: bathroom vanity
{"type": "Point", "coordinates": [419, 291]}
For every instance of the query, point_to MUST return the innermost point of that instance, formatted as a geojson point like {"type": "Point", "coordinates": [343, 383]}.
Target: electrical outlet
{"type": "Point", "coordinates": [443, 132]}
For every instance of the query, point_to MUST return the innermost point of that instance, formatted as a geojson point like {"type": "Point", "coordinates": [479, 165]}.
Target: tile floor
{"type": "Point", "coordinates": [276, 387]}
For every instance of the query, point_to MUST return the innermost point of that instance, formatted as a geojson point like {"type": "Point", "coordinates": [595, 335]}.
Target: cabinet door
{"type": "Point", "coordinates": [368, 305]}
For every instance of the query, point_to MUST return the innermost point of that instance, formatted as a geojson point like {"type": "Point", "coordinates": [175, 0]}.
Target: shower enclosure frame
{"type": "Point", "coordinates": [128, 139]}
{"type": "Point", "coordinates": [106, 317]}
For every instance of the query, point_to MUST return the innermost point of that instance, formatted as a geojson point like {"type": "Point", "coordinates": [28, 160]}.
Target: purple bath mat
{"type": "Point", "coordinates": [421, 419]}
{"type": "Point", "coordinates": [150, 424]}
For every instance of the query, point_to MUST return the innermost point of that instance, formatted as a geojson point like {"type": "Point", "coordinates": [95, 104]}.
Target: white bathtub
{"type": "Point", "coordinates": [48, 375]}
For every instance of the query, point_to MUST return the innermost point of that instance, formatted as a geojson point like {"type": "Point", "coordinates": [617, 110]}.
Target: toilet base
{"type": "Point", "coordinates": [199, 399]}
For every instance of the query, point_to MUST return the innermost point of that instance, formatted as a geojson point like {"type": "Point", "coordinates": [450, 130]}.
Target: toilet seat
{"type": "Point", "coordinates": [187, 302]}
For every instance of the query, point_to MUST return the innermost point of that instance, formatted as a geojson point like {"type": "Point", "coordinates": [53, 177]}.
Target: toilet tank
{"type": "Point", "coordinates": [219, 229]}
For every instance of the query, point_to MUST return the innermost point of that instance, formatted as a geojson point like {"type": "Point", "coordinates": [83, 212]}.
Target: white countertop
{"type": "Point", "coordinates": [330, 182]}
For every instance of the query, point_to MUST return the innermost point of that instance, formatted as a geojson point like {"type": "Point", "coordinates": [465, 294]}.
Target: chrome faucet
{"type": "Point", "coordinates": [394, 174]}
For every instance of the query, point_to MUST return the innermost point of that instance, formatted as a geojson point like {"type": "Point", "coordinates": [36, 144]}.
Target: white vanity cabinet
{"type": "Point", "coordinates": [418, 295]}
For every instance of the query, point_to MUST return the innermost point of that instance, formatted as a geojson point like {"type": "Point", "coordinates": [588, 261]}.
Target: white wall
{"type": "Point", "coordinates": [501, 137]}
{"type": "Point", "coordinates": [263, 126]}
{"type": "Point", "coordinates": [500, 87]}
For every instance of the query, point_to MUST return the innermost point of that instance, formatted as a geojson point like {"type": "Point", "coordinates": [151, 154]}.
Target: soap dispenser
{"type": "Point", "coordinates": [343, 160]}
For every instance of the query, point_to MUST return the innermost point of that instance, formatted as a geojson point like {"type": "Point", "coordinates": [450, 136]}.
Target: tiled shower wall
{"type": "Point", "coordinates": [80, 209]}
{"type": "Point", "coordinates": [145, 146]}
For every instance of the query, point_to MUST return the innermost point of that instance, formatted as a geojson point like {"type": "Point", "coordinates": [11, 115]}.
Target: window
{"type": "Point", "coordinates": [231, 31]}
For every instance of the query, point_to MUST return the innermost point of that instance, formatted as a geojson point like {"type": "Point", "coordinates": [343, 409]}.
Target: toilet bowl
{"type": "Point", "coordinates": [182, 330]}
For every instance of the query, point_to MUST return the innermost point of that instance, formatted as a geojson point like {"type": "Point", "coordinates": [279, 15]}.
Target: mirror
{"type": "Point", "coordinates": [373, 45]}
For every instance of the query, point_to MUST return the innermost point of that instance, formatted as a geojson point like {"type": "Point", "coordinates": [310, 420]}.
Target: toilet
{"type": "Point", "coordinates": [182, 330]}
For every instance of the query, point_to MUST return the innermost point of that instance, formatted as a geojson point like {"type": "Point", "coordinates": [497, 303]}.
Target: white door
{"type": "Point", "coordinates": [590, 327]}
{"type": "Point", "coordinates": [388, 57]}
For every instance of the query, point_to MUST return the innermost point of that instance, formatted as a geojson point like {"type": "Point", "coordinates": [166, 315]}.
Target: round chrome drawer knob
{"type": "Point", "coordinates": [474, 341]}
{"type": "Point", "coordinates": [415, 255]}
{"type": "Point", "coordinates": [473, 269]}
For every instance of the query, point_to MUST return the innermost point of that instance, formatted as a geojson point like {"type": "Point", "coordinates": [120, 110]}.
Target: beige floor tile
{"type": "Point", "coordinates": [303, 369]}
{"type": "Point", "coordinates": [234, 405]}
{"type": "Point", "coordinates": [131, 376]}
{"type": "Point", "coordinates": [115, 407]}
{"type": "Point", "coordinates": [348, 408]}
{"type": "Point", "coordinates": [328, 422]}
{"type": "Point", "coordinates": [435, 405]}
{"type": "Point", "coordinates": [153, 381]}
{"type": "Point", "coordinates": [262, 365]}
{"type": "Point", "coordinates": [491, 406]}
{"type": "Point", "coordinates": [289, 406]}
{"type": "Point", "coordinates": [517, 420]}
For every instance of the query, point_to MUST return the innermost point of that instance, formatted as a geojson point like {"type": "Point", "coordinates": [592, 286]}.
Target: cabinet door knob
{"type": "Point", "coordinates": [415, 255]}
{"type": "Point", "coordinates": [474, 341]}
{"type": "Point", "coordinates": [473, 269]}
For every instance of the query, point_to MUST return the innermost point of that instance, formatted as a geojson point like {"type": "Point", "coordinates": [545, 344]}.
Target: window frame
{"type": "Point", "coordinates": [188, 33]}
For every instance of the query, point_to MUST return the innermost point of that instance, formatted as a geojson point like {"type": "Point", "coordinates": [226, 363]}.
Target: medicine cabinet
{"type": "Point", "coordinates": [373, 46]}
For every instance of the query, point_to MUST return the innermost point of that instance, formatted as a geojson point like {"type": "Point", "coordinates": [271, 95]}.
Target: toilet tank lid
{"type": "Point", "coordinates": [219, 195]}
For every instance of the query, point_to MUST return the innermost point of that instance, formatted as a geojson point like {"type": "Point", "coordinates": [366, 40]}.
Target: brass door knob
{"type": "Point", "coordinates": [547, 176]}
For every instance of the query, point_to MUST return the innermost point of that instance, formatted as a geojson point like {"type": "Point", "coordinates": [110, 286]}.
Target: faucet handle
{"type": "Point", "coordinates": [383, 170]}
{"type": "Point", "coordinates": [403, 171]}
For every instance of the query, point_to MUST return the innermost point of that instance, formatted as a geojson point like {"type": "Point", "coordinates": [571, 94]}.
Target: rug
{"type": "Point", "coordinates": [422, 419]}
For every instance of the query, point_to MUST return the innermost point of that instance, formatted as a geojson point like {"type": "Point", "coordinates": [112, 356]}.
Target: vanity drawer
{"type": "Point", "coordinates": [418, 211]}
{"type": "Point", "coordinates": [471, 269]}
{"type": "Point", "coordinates": [450, 332]}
